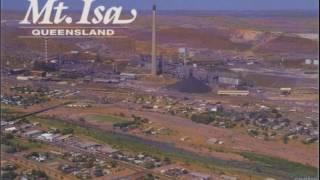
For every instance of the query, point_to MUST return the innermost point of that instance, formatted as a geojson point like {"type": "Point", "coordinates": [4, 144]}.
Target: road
{"type": "Point", "coordinates": [139, 169]}
{"type": "Point", "coordinates": [245, 166]}
{"type": "Point", "coordinates": [53, 173]}
{"type": "Point", "coordinates": [39, 111]}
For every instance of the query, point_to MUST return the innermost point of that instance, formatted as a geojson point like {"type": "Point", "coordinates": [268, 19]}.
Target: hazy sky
{"type": "Point", "coordinates": [187, 4]}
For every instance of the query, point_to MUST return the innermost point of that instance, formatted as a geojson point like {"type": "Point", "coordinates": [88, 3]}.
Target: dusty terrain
{"type": "Point", "coordinates": [267, 49]}
{"type": "Point", "coordinates": [236, 140]}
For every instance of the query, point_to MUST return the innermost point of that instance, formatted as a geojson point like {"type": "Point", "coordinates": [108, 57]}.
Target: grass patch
{"type": "Point", "coordinates": [13, 144]}
{"type": "Point", "coordinates": [117, 141]}
{"type": "Point", "coordinates": [130, 143]}
{"type": "Point", "coordinates": [107, 118]}
{"type": "Point", "coordinates": [7, 113]}
{"type": "Point", "coordinates": [29, 144]}
{"type": "Point", "coordinates": [262, 166]}
{"type": "Point", "coordinates": [293, 168]}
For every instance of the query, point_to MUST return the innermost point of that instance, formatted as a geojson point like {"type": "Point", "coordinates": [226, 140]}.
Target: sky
{"type": "Point", "coordinates": [184, 4]}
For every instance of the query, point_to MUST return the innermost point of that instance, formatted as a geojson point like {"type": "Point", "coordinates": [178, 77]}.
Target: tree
{"type": "Point", "coordinates": [67, 131]}
{"type": "Point", "coordinates": [82, 119]}
{"type": "Point", "coordinates": [98, 172]}
{"type": "Point", "coordinates": [148, 177]}
{"type": "Point", "coordinates": [285, 139]}
{"type": "Point", "coordinates": [149, 165]}
{"type": "Point", "coordinates": [11, 150]}
{"type": "Point", "coordinates": [204, 118]}
{"type": "Point", "coordinates": [167, 160]}
{"type": "Point", "coordinates": [37, 174]}
{"type": "Point", "coordinates": [8, 175]}
{"type": "Point", "coordinates": [113, 164]}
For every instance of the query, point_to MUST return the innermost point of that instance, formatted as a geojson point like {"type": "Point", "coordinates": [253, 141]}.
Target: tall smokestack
{"type": "Point", "coordinates": [154, 48]}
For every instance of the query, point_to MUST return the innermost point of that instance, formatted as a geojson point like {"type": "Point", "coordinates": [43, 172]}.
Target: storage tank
{"type": "Point", "coordinates": [308, 61]}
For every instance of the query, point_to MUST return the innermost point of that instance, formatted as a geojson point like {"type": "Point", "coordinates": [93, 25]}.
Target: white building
{"type": "Point", "coordinates": [47, 137]}
{"type": "Point", "coordinates": [308, 61]}
{"type": "Point", "coordinates": [200, 176]}
{"type": "Point", "coordinates": [130, 76]}
{"type": "Point", "coordinates": [229, 81]}
{"type": "Point", "coordinates": [23, 78]}
{"type": "Point", "coordinates": [11, 129]}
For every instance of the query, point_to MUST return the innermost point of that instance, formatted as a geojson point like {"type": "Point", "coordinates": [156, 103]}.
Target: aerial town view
{"type": "Point", "coordinates": [200, 90]}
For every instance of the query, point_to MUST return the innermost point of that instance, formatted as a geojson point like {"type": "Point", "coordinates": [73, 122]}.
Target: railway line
{"type": "Point", "coordinates": [136, 168]}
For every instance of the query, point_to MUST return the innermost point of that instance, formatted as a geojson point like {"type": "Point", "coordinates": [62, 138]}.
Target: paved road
{"type": "Point", "coordinates": [264, 170]}
{"type": "Point", "coordinates": [53, 173]}
{"type": "Point", "coordinates": [39, 111]}
{"type": "Point", "coordinates": [125, 164]}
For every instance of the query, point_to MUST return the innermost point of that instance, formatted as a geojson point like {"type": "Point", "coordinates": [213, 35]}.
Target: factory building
{"type": "Point", "coordinates": [128, 76]}
{"type": "Point", "coordinates": [18, 71]}
{"type": "Point", "coordinates": [314, 62]}
{"type": "Point", "coordinates": [233, 93]}
{"type": "Point", "coordinates": [228, 80]}
{"type": "Point", "coordinates": [160, 65]}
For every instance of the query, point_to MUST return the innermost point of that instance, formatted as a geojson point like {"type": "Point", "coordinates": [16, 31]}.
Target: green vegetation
{"type": "Point", "coordinates": [107, 118]}
{"type": "Point", "coordinates": [204, 118]}
{"type": "Point", "coordinates": [7, 113]}
{"type": "Point", "coordinates": [4, 110]}
{"type": "Point", "coordinates": [253, 132]}
{"type": "Point", "coordinates": [119, 141]}
{"type": "Point", "coordinates": [294, 169]}
{"type": "Point", "coordinates": [213, 117]}
{"type": "Point", "coordinates": [37, 174]}
{"type": "Point", "coordinates": [149, 177]}
{"type": "Point", "coordinates": [166, 131]}
{"type": "Point", "coordinates": [67, 130]}
{"type": "Point", "coordinates": [8, 171]}
{"type": "Point", "coordinates": [262, 166]}
{"type": "Point", "coordinates": [285, 139]}
{"type": "Point", "coordinates": [137, 121]}
{"type": "Point", "coordinates": [128, 144]}
{"type": "Point", "coordinates": [13, 144]}
{"type": "Point", "coordinates": [116, 140]}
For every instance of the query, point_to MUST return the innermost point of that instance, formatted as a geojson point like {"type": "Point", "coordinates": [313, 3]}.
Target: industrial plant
{"type": "Point", "coordinates": [199, 95]}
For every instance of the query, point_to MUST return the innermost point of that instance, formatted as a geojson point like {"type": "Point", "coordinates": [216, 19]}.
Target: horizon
{"type": "Point", "coordinates": [185, 5]}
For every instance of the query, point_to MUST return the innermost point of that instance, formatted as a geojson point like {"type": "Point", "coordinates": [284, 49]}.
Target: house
{"type": "Point", "coordinates": [102, 80]}
{"type": "Point", "coordinates": [17, 71]}
{"type": "Point", "coordinates": [11, 129]}
{"type": "Point", "coordinates": [25, 126]}
{"type": "Point", "coordinates": [229, 80]}
{"type": "Point", "coordinates": [4, 123]}
{"type": "Point", "coordinates": [41, 158]}
{"type": "Point", "coordinates": [89, 145]}
{"type": "Point", "coordinates": [64, 138]}
{"type": "Point", "coordinates": [199, 176]}
{"type": "Point", "coordinates": [38, 73]}
{"type": "Point", "coordinates": [212, 141]}
{"type": "Point", "coordinates": [129, 76]}
{"type": "Point", "coordinates": [308, 61]}
{"type": "Point", "coordinates": [35, 124]}
{"type": "Point", "coordinates": [78, 105]}
{"type": "Point", "coordinates": [32, 133]}
{"type": "Point", "coordinates": [225, 177]}
{"type": "Point", "coordinates": [24, 78]}
{"type": "Point", "coordinates": [233, 93]}
{"type": "Point", "coordinates": [215, 108]}
{"type": "Point", "coordinates": [48, 137]}
{"type": "Point", "coordinates": [285, 91]}
{"type": "Point", "coordinates": [106, 150]}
